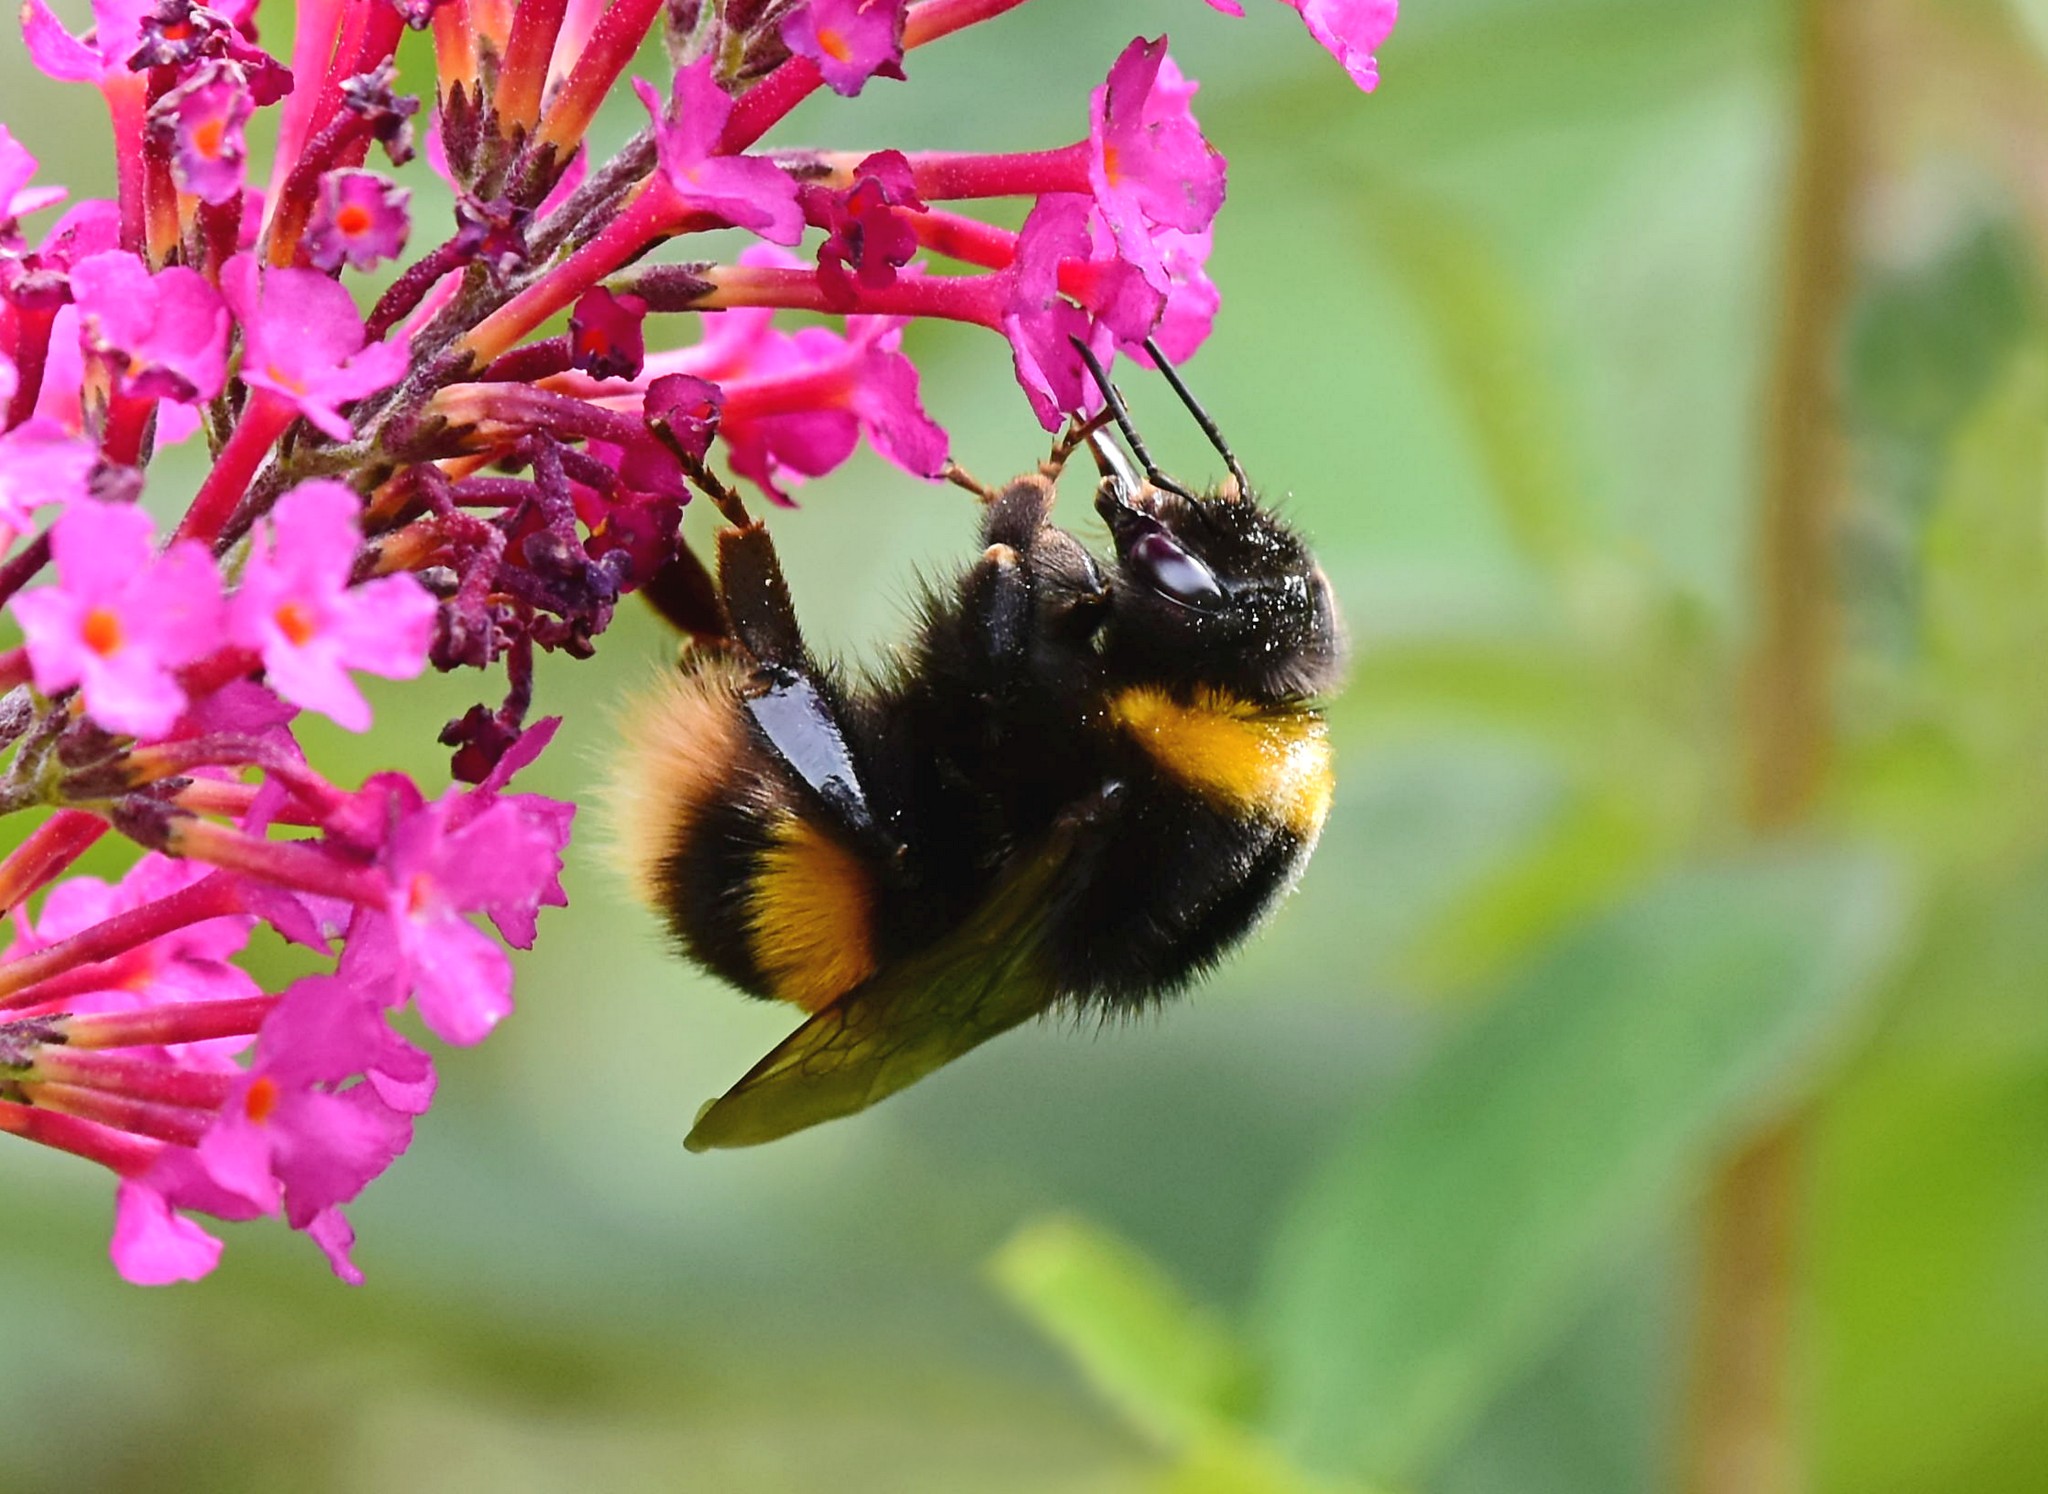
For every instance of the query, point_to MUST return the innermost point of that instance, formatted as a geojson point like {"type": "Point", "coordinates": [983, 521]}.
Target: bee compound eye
{"type": "Point", "coordinates": [1173, 572]}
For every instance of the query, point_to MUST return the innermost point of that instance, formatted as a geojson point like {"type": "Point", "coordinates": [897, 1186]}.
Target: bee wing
{"type": "Point", "coordinates": [909, 1019]}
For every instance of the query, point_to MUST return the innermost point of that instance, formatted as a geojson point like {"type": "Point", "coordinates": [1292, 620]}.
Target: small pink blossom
{"type": "Point", "coordinates": [115, 34]}
{"type": "Point", "coordinates": [1148, 164]}
{"type": "Point", "coordinates": [294, 1131]}
{"type": "Point", "coordinates": [1349, 30]}
{"type": "Point", "coordinates": [866, 226]}
{"type": "Point", "coordinates": [152, 1246]}
{"type": "Point", "coordinates": [606, 339]}
{"type": "Point", "coordinates": [1040, 322]}
{"type": "Point", "coordinates": [745, 191]}
{"type": "Point", "coordinates": [851, 41]}
{"type": "Point", "coordinates": [121, 618]}
{"type": "Point", "coordinates": [297, 608]}
{"type": "Point", "coordinates": [360, 220]}
{"type": "Point", "coordinates": [444, 860]}
{"type": "Point", "coordinates": [204, 119]}
{"type": "Point", "coordinates": [41, 463]}
{"type": "Point", "coordinates": [165, 335]}
{"type": "Point", "coordinates": [303, 340]}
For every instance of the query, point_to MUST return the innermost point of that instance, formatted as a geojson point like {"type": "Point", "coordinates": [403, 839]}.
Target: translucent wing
{"type": "Point", "coordinates": [909, 1019]}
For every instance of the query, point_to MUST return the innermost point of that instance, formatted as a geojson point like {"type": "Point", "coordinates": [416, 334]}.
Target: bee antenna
{"type": "Point", "coordinates": [1202, 417]}
{"type": "Point", "coordinates": [1121, 414]}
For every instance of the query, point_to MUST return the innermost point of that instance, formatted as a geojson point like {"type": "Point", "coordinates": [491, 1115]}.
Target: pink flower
{"type": "Point", "coordinates": [445, 860]}
{"type": "Point", "coordinates": [187, 964]}
{"type": "Point", "coordinates": [165, 335]}
{"type": "Point", "coordinates": [605, 336]}
{"type": "Point", "coordinates": [360, 220]}
{"type": "Point", "coordinates": [121, 618]}
{"type": "Point", "coordinates": [745, 191]}
{"type": "Point", "coordinates": [40, 463]}
{"type": "Point", "coordinates": [203, 118]}
{"type": "Point", "coordinates": [293, 1129]}
{"type": "Point", "coordinates": [303, 341]}
{"type": "Point", "coordinates": [1148, 164]}
{"type": "Point", "coordinates": [866, 227]}
{"type": "Point", "coordinates": [17, 198]}
{"type": "Point", "coordinates": [1350, 30]}
{"type": "Point", "coordinates": [1040, 322]}
{"type": "Point", "coordinates": [297, 608]}
{"type": "Point", "coordinates": [116, 32]}
{"type": "Point", "coordinates": [850, 40]}
{"type": "Point", "coordinates": [152, 1246]}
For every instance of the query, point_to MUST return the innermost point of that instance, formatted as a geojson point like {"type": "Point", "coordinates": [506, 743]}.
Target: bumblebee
{"type": "Point", "coordinates": [1078, 788]}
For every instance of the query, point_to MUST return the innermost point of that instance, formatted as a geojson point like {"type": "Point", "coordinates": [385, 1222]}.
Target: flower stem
{"type": "Point", "coordinates": [47, 854]}
{"type": "Point", "coordinates": [305, 868]}
{"type": "Point", "coordinates": [140, 1078]}
{"type": "Point", "coordinates": [173, 1123]}
{"type": "Point", "coordinates": [264, 419]}
{"type": "Point", "coordinates": [611, 46]}
{"type": "Point", "coordinates": [179, 1022]}
{"type": "Point", "coordinates": [129, 1156]}
{"type": "Point", "coordinates": [213, 897]}
{"type": "Point", "coordinates": [1741, 1435]}
{"type": "Point", "coordinates": [944, 175]}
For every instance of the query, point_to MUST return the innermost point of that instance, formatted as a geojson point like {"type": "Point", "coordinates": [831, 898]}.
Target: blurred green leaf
{"type": "Point", "coordinates": [1459, 1228]}
{"type": "Point", "coordinates": [1930, 1218]}
{"type": "Point", "coordinates": [1493, 354]}
{"type": "Point", "coordinates": [1168, 1365]}
{"type": "Point", "coordinates": [1597, 846]}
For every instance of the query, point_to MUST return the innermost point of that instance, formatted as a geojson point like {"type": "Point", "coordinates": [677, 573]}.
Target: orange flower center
{"type": "Point", "coordinates": [1110, 168]}
{"type": "Point", "coordinates": [261, 1100]}
{"type": "Point", "coordinates": [208, 136]}
{"type": "Point", "coordinates": [295, 621]}
{"type": "Point", "coordinates": [353, 219]}
{"type": "Point", "coordinates": [102, 631]}
{"type": "Point", "coordinates": [833, 45]}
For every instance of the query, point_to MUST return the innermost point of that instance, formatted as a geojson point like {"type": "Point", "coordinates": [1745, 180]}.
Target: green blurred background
{"type": "Point", "coordinates": [1409, 1195]}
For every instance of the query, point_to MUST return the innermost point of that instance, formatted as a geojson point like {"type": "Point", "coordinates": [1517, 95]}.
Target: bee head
{"type": "Point", "coordinates": [1214, 589]}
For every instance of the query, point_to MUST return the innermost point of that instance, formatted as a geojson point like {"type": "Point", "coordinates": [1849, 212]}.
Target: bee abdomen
{"type": "Point", "coordinates": [733, 854]}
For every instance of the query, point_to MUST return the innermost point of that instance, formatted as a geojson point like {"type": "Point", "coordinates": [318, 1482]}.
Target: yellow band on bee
{"type": "Point", "coordinates": [810, 914]}
{"type": "Point", "coordinates": [1234, 753]}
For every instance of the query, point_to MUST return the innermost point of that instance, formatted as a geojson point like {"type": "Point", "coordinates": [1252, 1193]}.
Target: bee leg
{"type": "Point", "coordinates": [998, 596]}
{"type": "Point", "coordinates": [1070, 441]}
{"type": "Point", "coordinates": [960, 477]}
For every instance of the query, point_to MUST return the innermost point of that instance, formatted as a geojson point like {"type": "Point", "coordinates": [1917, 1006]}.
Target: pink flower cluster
{"type": "Point", "coordinates": [442, 480]}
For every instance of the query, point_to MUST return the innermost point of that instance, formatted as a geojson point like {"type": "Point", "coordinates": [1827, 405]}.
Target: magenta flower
{"type": "Point", "coordinates": [850, 40]}
{"type": "Point", "coordinates": [360, 220]}
{"type": "Point", "coordinates": [152, 1245]}
{"type": "Point", "coordinates": [1040, 322]}
{"type": "Point", "coordinates": [164, 335]}
{"type": "Point", "coordinates": [1148, 164]}
{"type": "Point", "coordinates": [41, 463]}
{"type": "Point", "coordinates": [443, 861]}
{"type": "Point", "coordinates": [297, 609]}
{"type": "Point", "coordinates": [303, 341]}
{"type": "Point", "coordinates": [293, 1131]}
{"type": "Point", "coordinates": [1349, 30]}
{"type": "Point", "coordinates": [745, 191]}
{"type": "Point", "coordinates": [115, 34]}
{"type": "Point", "coordinates": [203, 118]}
{"type": "Point", "coordinates": [866, 227]}
{"type": "Point", "coordinates": [606, 339]}
{"type": "Point", "coordinates": [121, 618]}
